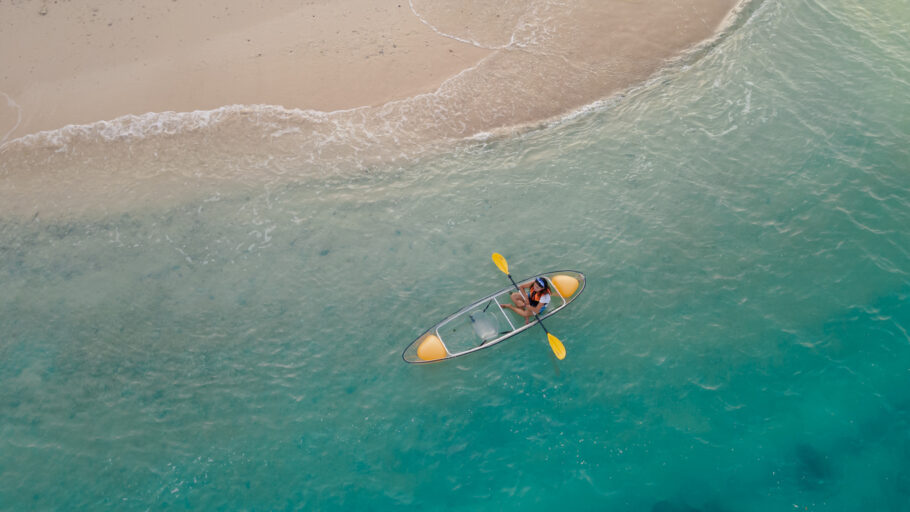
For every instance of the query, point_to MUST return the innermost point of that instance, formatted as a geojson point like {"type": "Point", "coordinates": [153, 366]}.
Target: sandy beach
{"type": "Point", "coordinates": [351, 81]}
{"type": "Point", "coordinates": [75, 63]}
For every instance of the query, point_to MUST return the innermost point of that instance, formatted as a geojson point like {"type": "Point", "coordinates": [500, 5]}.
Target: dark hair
{"type": "Point", "coordinates": [543, 283]}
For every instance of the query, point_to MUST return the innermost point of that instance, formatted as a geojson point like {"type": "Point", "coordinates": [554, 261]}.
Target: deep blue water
{"type": "Point", "coordinates": [743, 343]}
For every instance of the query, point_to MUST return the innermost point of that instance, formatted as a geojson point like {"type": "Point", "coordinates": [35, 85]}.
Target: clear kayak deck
{"type": "Point", "coordinates": [485, 322]}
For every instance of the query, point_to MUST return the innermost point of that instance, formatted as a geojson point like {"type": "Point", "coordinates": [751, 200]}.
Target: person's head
{"type": "Point", "coordinates": [541, 284]}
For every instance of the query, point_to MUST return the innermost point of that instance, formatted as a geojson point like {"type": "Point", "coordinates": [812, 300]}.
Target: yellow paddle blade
{"type": "Point", "coordinates": [501, 262]}
{"type": "Point", "coordinates": [558, 348]}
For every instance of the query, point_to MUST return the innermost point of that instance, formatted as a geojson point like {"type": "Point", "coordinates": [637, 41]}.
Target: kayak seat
{"type": "Point", "coordinates": [485, 325]}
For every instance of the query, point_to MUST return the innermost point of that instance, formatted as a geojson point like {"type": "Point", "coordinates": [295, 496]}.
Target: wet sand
{"type": "Point", "coordinates": [98, 92]}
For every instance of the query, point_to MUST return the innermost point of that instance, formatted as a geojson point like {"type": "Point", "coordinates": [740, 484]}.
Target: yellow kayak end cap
{"type": "Point", "coordinates": [565, 285]}
{"type": "Point", "coordinates": [431, 348]}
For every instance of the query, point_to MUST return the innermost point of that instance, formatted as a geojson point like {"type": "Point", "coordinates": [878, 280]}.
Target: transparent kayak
{"type": "Point", "coordinates": [485, 322]}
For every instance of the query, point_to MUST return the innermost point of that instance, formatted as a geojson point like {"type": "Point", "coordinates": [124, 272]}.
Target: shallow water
{"type": "Point", "coordinates": [743, 342]}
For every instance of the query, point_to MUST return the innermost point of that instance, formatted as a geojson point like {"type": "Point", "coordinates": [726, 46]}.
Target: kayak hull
{"type": "Point", "coordinates": [485, 323]}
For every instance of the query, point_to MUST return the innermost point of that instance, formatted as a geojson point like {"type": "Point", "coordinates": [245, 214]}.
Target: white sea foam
{"type": "Point", "coordinates": [15, 106]}
{"type": "Point", "coordinates": [434, 28]}
{"type": "Point", "coordinates": [132, 126]}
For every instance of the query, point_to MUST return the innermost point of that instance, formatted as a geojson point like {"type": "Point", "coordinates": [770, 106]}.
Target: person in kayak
{"type": "Point", "coordinates": [534, 299]}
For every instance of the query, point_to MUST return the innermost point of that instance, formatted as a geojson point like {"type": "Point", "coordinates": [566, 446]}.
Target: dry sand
{"type": "Point", "coordinates": [75, 62]}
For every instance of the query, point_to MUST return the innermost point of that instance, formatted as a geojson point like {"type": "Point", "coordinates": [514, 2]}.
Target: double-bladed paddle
{"type": "Point", "coordinates": [558, 348]}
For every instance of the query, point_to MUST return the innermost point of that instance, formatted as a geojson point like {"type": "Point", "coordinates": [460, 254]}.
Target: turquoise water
{"type": "Point", "coordinates": [743, 343]}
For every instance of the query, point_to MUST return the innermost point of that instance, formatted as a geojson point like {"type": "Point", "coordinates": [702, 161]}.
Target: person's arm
{"type": "Point", "coordinates": [525, 290]}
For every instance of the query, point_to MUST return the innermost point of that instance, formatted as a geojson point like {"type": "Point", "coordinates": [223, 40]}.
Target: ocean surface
{"type": "Point", "coordinates": [743, 343]}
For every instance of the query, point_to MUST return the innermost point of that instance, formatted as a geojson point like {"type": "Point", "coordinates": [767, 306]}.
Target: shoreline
{"type": "Point", "coordinates": [24, 114]}
{"type": "Point", "coordinates": [546, 68]}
